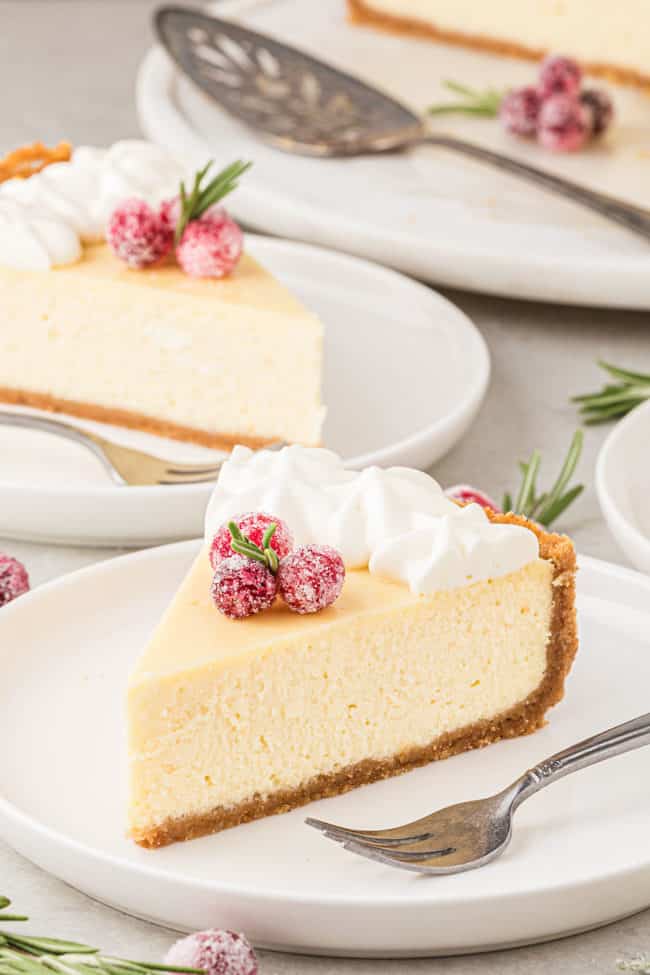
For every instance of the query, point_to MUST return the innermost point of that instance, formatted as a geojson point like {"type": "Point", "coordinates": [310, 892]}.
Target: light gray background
{"type": "Point", "coordinates": [67, 70]}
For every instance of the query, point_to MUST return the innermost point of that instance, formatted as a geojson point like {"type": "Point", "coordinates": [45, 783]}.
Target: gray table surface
{"type": "Point", "coordinates": [67, 69]}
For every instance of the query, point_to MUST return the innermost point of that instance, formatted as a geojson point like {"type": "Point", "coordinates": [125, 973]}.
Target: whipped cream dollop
{"type": "Point", "coordinates": [33, 240]}
{"type": "Point", "coordinates": [45, 219]}
{"type": "Point", "coordinates": [395, 521]}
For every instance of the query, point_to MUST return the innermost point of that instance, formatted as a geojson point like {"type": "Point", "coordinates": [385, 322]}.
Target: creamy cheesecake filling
{"type": "Point", "coordinates": [586, 29]}
{"type": "Point", "coordinates": [216, 361]}
{"type": "Point", "coordinates": [264, 706]}
{"type": "Point", "coordinates": [144, 341]}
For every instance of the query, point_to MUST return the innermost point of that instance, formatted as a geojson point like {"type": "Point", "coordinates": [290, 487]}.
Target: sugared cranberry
{"type": "Point", "coordinates": [215, 952]}
{"type": "Point", "coordinates": [169, 212]}
{"type": "Point", "coordinates": [14, 580]}
{"type": "Point", "coordinates": [519, 111]}
{"type": "Point", "coordinates": [137, 235]}
{"type": "Point", "coordinates": [466, 494]}
{"type": "Point", "coordinates": [311, 578]}
{"type": "Point", "coordinates": [600, 109]}
{"type": "Point", "coordinates": [211, 246]}
{"type": "Point", "coordinates": [253, 525]}
{"type": "Point", "coordinates": [559, 76]}
{"type": "Point", "coordinates": [242, 587]}
{"type": "Point", "coordinates": [563, 124]}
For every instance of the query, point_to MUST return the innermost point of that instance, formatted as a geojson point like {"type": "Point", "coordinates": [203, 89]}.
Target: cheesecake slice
{"type": "Point", "coordinates": [236, 360]}
{"type": "Point", "coordinates": [215, 361]}
{"type": "Point", "coordinates": [231, 720]}
{"type": "Point", "coordinates": [607, 40]}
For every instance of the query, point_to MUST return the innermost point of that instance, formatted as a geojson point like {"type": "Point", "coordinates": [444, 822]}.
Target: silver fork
{"type": "Point", "coordinates": [471, 834]}
{"type": "Point", "coordinates": [124, 464]}
{"type": "Point", "coordinates": [299, 104]}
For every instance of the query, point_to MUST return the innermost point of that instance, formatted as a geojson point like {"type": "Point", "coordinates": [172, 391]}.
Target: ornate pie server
{"type": "Point", "coordinates": [299, 104]}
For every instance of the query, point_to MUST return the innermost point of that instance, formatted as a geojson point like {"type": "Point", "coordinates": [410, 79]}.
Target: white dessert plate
{"type": "Point", "coordinates": [580, 856]}
{"type": "Point", "coordinates": [430, 213]}
{"type": "Point", "coordinates": [405, 374]}
{"type": "Point", "coordinates": [623, 485]}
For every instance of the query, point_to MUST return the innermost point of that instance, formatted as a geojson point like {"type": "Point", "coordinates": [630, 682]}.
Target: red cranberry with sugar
{"type": "Point", "coordinates": [466, 494]}
{"type": "Point", "coordinates": [169, 213]}
{"type": "Point", "coordinates": [253, 525]}
{"type": "Point", "coordinates": [311, 578]}
{"type": "Point", "coordinates": [215, 952]}
{"type": "Point", "coordinates": [519, 111]}
{"type": "Point", "coordinates": [211, 246]}
{"type": "Point", "coordinates": [137, 234]}
{"type": "Point", "coordinates": [559, 75]}
{"type": "Point", "coordinates": [14, 580]}
{"type": "Point", "coordinates": [600, 109]}
{"type": "Point", "coordinates": [242, 587]}
{"type": "Point", "coordinates": [563, 124]}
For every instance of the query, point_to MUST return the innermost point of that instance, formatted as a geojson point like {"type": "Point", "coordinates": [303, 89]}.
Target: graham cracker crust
{"type": "Point", "coordinates": [523, 719]}
{"type": "Point", "coordinates": [130, 419]}
{"type": "Point", "coordinates": [360, 13]}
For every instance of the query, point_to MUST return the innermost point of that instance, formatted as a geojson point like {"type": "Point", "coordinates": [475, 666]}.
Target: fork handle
{"type": "Point", "coordinates": [623, 738]}
{"type": "Point", "coordinates": [45, 424]}
{"type": "Point", "coordinates": [628, 215]}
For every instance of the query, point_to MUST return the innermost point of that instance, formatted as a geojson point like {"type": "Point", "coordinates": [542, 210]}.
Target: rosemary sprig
{"type": "Point", "coordinates": [614, 399]}
{"type": "Point", "coordinates": [547, 507]}
{"type": "Point", "coordinates": [640, 965]}
{"type": "Point", "coordinates": [4, 903]}
{"type": "Point", "coordinates": [243, 546]}
{"type": "Point", "coordinates": [29, 955]}
{"type": "Point", "coordinates": [201, 197]}
{"type": "Point", "coordinates": [472, 101]}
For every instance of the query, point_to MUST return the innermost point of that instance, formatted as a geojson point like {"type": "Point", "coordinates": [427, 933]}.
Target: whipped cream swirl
{"type": "Point", "coordinates": [395, 521]}
{"type": "Point", "coordinates": [45, 219]}
{"type": "Point", "coordinates": [31, 240]}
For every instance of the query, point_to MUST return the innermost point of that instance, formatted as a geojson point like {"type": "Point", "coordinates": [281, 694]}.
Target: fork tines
{"type": "Point", "coordinates": [416, 850]}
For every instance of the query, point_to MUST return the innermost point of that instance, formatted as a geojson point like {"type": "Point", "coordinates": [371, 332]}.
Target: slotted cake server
{"type": "Point", "coordinates": [302, 105]}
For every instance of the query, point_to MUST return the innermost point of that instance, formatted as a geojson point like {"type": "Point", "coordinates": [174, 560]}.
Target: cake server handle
{"type": "Point", "coordinates": [617, 741]}
{"type": "Point", "coordinates": [634, 218]}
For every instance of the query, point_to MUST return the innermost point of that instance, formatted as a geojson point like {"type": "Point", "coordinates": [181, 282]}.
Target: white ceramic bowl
{"type": "Point", "coordinates": [623, 485]}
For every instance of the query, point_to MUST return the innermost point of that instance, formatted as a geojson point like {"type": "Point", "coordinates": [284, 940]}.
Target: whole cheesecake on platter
{"type": "Point", "coordinates": [449, 628]}
{"type": "Point", "coordinates": [221, 355]}
{"type": "Point", "coordinates": [606, 40]}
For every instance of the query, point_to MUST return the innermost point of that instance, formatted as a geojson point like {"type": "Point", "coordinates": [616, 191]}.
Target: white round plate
{"type": "Point", "coordinates": [405, 373]}
{"type": "Point", "coordinates": [430, 213]}
{"type": "Point", "coordinates": [580, 855]}
{"type": "Point", "coordinates": [623, 485]}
